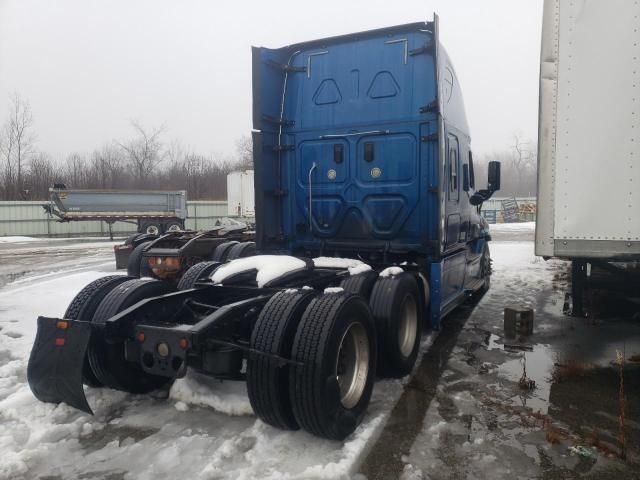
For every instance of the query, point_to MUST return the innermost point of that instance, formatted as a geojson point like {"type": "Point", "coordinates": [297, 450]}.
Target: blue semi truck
{"type": "Point", "coordinates": [368, 231]}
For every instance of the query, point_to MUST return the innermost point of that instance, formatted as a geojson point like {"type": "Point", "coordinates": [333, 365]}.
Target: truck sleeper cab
{"type": "Point", "coordinates": [362, 150]}
{"type": "Point", "coordinates": [367, 231]}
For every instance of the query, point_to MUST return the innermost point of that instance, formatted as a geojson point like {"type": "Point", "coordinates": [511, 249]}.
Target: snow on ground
{"type": "Point", "coordinates": [202, 428]}
{"type": "Point", "coordinates": [512, 227]}
{"type": "Point", "coordinates": [51, 247]}
{"type": "Point", "coordinates": [17, 239]}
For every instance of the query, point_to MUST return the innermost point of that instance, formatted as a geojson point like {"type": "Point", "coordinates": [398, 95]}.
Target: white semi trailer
{"type": "Point", "coordinates": [240, 194]}
{"type": "Point", "coordinates": [589, 142]}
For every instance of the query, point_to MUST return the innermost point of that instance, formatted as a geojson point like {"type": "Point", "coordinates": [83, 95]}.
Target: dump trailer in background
{"type": "Point", "coordinates": [589, 143]}
{"type": "Point", "coordinates": [154, 211]}
{"type": "Point", "coordinates": [367, 228]}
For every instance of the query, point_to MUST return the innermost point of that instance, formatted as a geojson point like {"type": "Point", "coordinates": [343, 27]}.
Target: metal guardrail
{"type": "Point", "coordinates": [29, 219]}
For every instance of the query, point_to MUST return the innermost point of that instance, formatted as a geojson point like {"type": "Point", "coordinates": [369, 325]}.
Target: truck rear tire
{"type": "Point", "coordinates": [107, 359]}
{"type": "Point", "coordinates": [84, 306]}
{"type": "Point", "coordinates": [197, 272]}
{"type": "Point", "coordinates": [241, 250]}
{"type": "Point", "coordinates": [397, 310]}
{"type": "Point", "coordinates": [336, 345]}
{"type": "Point", "coordinates": [268, 382]}
{"type": "Point", "coordinates": [360, 284]}
{"type": "Point", "coordinates": [222, 251]}
{"type": "Point", "coordinates": [135, 266]}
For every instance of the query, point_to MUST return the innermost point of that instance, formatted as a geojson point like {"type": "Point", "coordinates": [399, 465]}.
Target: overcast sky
{"type": "Point", "coordinates": [88, 67]}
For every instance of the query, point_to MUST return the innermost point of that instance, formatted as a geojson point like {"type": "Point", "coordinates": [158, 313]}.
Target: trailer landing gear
{"type": "Point", "coordinates": [578, 281]}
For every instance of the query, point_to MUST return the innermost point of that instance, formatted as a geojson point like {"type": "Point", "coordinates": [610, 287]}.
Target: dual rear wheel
{"type": "Point", "coordinates": [336, 342]}
{"type": "Point", "coordinates": [326, 386]}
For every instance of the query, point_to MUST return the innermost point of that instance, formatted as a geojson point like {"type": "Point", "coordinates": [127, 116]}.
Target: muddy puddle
{"type": "Point", "coordinates": [545, 405]}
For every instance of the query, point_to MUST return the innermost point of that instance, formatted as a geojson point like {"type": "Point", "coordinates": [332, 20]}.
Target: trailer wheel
{"type": "Point", "coordinates": [336, 345]}
{"type": "Point", "coordinates": [107, 360]}
{"type": "Point", "coordinates": [84, 305]}
{"type": "Point", "coordinates": [152, 228]}
{"type": "Point", "coordinates": [135, 268]}
{"type": "Point", "coordinates": [197, 272]}
{"type": "Point", "coordinates": [172, 226]}
{"type": "Point", "coordinates": [397, 310]}
{"type": "Point", "coordinates": [268, 382]}
{"type": "Point", "coordinates": [360, 284]}
{"type": "Point", "coordinates": [222, 250]}
{"type": "Point", "coordinates": [241, 250]}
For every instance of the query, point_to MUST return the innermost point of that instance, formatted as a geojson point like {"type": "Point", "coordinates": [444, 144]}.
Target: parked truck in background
{"type": "Point", "coordinates": [589, 143]}
{"type": "Point", "coordinates": [240, 194]}
{"type": "Point", "coordinates": [153, 211]}
{"type": "Point", "coordinates": [367, 229]}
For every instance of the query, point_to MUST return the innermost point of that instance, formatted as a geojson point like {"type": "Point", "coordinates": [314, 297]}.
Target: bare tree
{"type": "Point", "coordinates": [17, 144]}
{"type": "Point", "coordinates": [523, 158]}
{"type": "Point", "coordinates": [76, 171]}
{"type": "Point", "coordinates": [244, 152]}
{"type": "Point", "coordinates": [41, 176]}
{"type": "Point", "coordinates": [136, 163]}
{"type": "Point", "coordinates": [144, 150]}
{"type": "Point", "coordinates": [519, 167]}
{"type": "Point", "coordinates": [175, 152]}
{"type": "Point", "coordinates": [108, 165]}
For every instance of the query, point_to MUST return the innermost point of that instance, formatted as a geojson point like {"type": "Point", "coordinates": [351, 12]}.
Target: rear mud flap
{"type": "Point", "coordinates": [55, 364]}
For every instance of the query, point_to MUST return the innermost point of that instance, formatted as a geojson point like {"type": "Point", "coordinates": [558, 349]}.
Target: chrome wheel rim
{"type": "Point", "coordinates": [153, 230]}
{"type": "Point", "coordinates": [174, 228]}
{"type": "Point", "coordinates": [408, 328]}
{"type": "Point", "coordinates": [352, 365]}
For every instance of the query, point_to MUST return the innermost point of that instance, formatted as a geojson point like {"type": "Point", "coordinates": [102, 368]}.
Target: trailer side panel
{"type": "Point", "coordinates": [589, 172]}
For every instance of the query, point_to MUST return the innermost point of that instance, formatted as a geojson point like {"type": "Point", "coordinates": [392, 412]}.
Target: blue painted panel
{"type": "Point", "coordinates": [360, 81]}
{"type": "Point", "coordinates": [435, 282]}
{"type": "Point", "coordinates": [394, 155]}
{"type": "Point", "coordinates": [380, 198]}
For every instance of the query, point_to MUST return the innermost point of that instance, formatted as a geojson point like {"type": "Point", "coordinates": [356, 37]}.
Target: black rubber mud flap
{"type": "Point", "coordinates": [55, 364]}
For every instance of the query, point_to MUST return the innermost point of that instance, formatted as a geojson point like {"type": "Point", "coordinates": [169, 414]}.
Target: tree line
{"type": "Point", "coordinates": [518, 165]}
{"type": "Point", "coordinates": [144, 161]}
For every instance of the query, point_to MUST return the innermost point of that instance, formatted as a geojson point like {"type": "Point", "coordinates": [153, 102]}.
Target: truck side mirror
{"type": "Point", "coordinates": [494, 176]}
